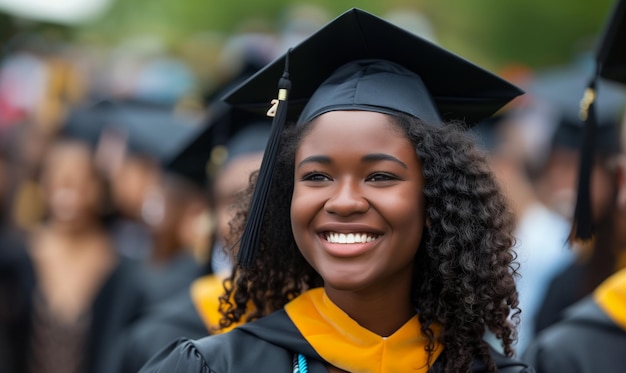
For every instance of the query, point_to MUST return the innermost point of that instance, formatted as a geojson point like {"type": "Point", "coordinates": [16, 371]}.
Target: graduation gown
{"type": "Point", "coordinates": [117, 305]}
{"type": "Point", "coordinates": [565, 289]}
{"type": "Point", "coordinates": [165, 281]}
{"type": "Point", "coordinates": [269, 345]}
{"type": "Point", "coordinates": [174, 319]}
{"type": "Point", "coordinates": [592, 336]}
{"type": "Point", "coordinates": [16, 283]}
{"type": "Point", "coordinates": [190, 314]}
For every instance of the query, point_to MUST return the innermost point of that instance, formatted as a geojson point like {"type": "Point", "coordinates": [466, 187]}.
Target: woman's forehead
{"type": "Point", "coordinates": [350, 121]}
{"type": "Point", "coordinates": [344, 130]}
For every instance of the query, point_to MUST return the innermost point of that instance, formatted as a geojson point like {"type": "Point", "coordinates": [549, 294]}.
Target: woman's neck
{"type": "Point", "coordinates": [382, 312]}
{"type": "Point", "coordinates": [71, 267]}
{"type": "Point", "coordinates": [76, 232]}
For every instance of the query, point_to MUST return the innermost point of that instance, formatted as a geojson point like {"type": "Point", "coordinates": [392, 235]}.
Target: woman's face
{"type": "Point", "coordinates": [72, 189]}
{"type": "Point", "coordinates": [357, 211]}
{"type": "Point", "coordinates": [232, 180]}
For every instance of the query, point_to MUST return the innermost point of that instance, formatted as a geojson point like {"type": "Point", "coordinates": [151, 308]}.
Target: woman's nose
{"type": "Point", "coordinates": [347, 199]}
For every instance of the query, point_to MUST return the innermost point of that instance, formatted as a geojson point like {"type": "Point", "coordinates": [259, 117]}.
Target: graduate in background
{"type": "Point", "coordinates": [582, 268]}
{"type": "Point", "coordinates": [540, 233]}
{"type": "Point", "coordinates": [16, 278]}
{"type": "Point", "coordinates": [377, 239]}
{"type": "Point", "coordinates": [230, 148]}
{"type": "Point", "coordinates": [592, 335]}
{"type": "Point", "coordinates": [164, 202]}
{"type": "Point", "coordinates": [85, 293]}
{"type": "Point", "coordinates": [218, 158]}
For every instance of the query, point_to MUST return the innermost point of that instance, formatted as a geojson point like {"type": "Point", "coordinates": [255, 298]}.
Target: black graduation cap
{"type": "Point", "coordinates": [610, 63]}
{"type": "Point", "coordinates": [153, 130]}
{"type": "Point", "coordinates": [227, 134]}
{"type": "Point", "coordinates": [559, 88]}
{"type": "Point", "coordinates": [211, 145]}
{"type": "Point", "coordinates": [146, 129]}
{"type": "Point", "coordinates": [87, 122]}
{"type": "Point", "coordinates": [611, 56]}
{"type": "Point", "coordinates": [569, 135]}
{"type": "Point", "coordinates": [361, 62]}
{"type": "Point", "coordinates": [459, 89]}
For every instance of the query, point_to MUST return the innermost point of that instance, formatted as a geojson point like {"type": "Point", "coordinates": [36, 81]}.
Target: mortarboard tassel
{"type": "Point", "coordinates": [252, 231]}
{"type": "Point", "coordinates": [583, 225]}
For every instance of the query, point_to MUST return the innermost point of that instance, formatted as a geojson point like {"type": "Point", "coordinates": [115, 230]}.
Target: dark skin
{"type": "Point", "coordinates": [366, 186]}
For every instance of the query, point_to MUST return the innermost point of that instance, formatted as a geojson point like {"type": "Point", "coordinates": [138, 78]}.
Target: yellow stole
{"type": "Point", "coordinates": [343, 343]}
{"type": "Point", "coordinates": [611, 297]}
{"type": "Point", "coordinates": [205, 293]}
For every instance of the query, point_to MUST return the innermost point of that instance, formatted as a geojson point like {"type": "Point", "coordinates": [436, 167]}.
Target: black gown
{"type": "Point", "coordinates": [118, 304]}
{"type": "Point", "coordinates": [266, 345]}
{"type": "Point", "coordinates": [169, 279]}
{"type": "Point", "coordinates": [170, 321]}
{"type": "Point", "coordinates": [587, 340]}
{"type": "Point", "coordinates": [16, 284]}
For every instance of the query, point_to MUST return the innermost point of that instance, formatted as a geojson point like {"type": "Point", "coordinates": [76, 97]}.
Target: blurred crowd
{"type": "Point", "coordinates": [119, 167]}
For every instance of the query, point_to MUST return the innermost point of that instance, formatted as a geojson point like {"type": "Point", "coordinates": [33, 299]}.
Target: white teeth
{"type": "Point", "coordinates": [350, 237]}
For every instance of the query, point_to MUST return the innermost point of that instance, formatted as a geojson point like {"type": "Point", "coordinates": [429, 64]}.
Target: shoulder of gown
{"type": "Point", "coordinates": [586, 340]}
{"type": "Point", "coordinates": [266, 345]}
{"type": "Point", "coordinates": [174, 320]}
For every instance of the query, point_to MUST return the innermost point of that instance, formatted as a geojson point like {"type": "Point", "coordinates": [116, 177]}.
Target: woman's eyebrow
{"type": "Point", "coordinates": [376, 157]}
{"type": "Point", "coordinates": [315, 159]}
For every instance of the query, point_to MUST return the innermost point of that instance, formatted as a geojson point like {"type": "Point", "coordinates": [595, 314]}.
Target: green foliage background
{"type": "Point", "coordinates": [493, 33]}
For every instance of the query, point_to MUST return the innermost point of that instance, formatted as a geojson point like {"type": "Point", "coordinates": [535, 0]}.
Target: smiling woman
{"type": "Point", "coordinates": [384, 244]}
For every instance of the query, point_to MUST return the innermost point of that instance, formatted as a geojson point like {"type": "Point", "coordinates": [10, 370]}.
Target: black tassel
{"type": "Point", "coordinates": [583, 224]}
{"type": "Point", "coordinates": [252, 232]}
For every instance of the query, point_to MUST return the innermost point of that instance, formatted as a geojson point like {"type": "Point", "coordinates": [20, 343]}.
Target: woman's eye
{"type": "Point", "coordinates": [381, 177]}
{"type": "Point", "coordinates": [315, 176]}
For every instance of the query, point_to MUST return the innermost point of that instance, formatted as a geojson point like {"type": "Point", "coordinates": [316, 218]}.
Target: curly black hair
{"type": "Point", "coordinates": [464, 269]}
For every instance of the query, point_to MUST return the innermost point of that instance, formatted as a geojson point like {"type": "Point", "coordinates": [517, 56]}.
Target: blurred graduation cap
{"type": "Point", "coordinates": [559, 89]}
{"type": "Point", "coordinates": [361, 62]}
{"type": "Point", "coordinates": [226, 131]}
{"type": "Point", "coordinates": [144, 129]}
{"type": "Point", "coordinates": [229, 133]}
{"type": "Point", "coordinates": [610, 63]}
{"type": "Point", "coordinates": [87, 122]}
{"type": "Point", "coordinates": [569, 135]}
{"type": "Point", "coordinates": [611, 56]}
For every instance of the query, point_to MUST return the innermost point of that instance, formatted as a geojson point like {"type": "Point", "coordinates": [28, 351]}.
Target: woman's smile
{"type": "Point", "coordinates": [346, 240]}
{"type": "Point", "coordinates": [348, 244]}
{"type": "Point", "coordinates": [350, 238]}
